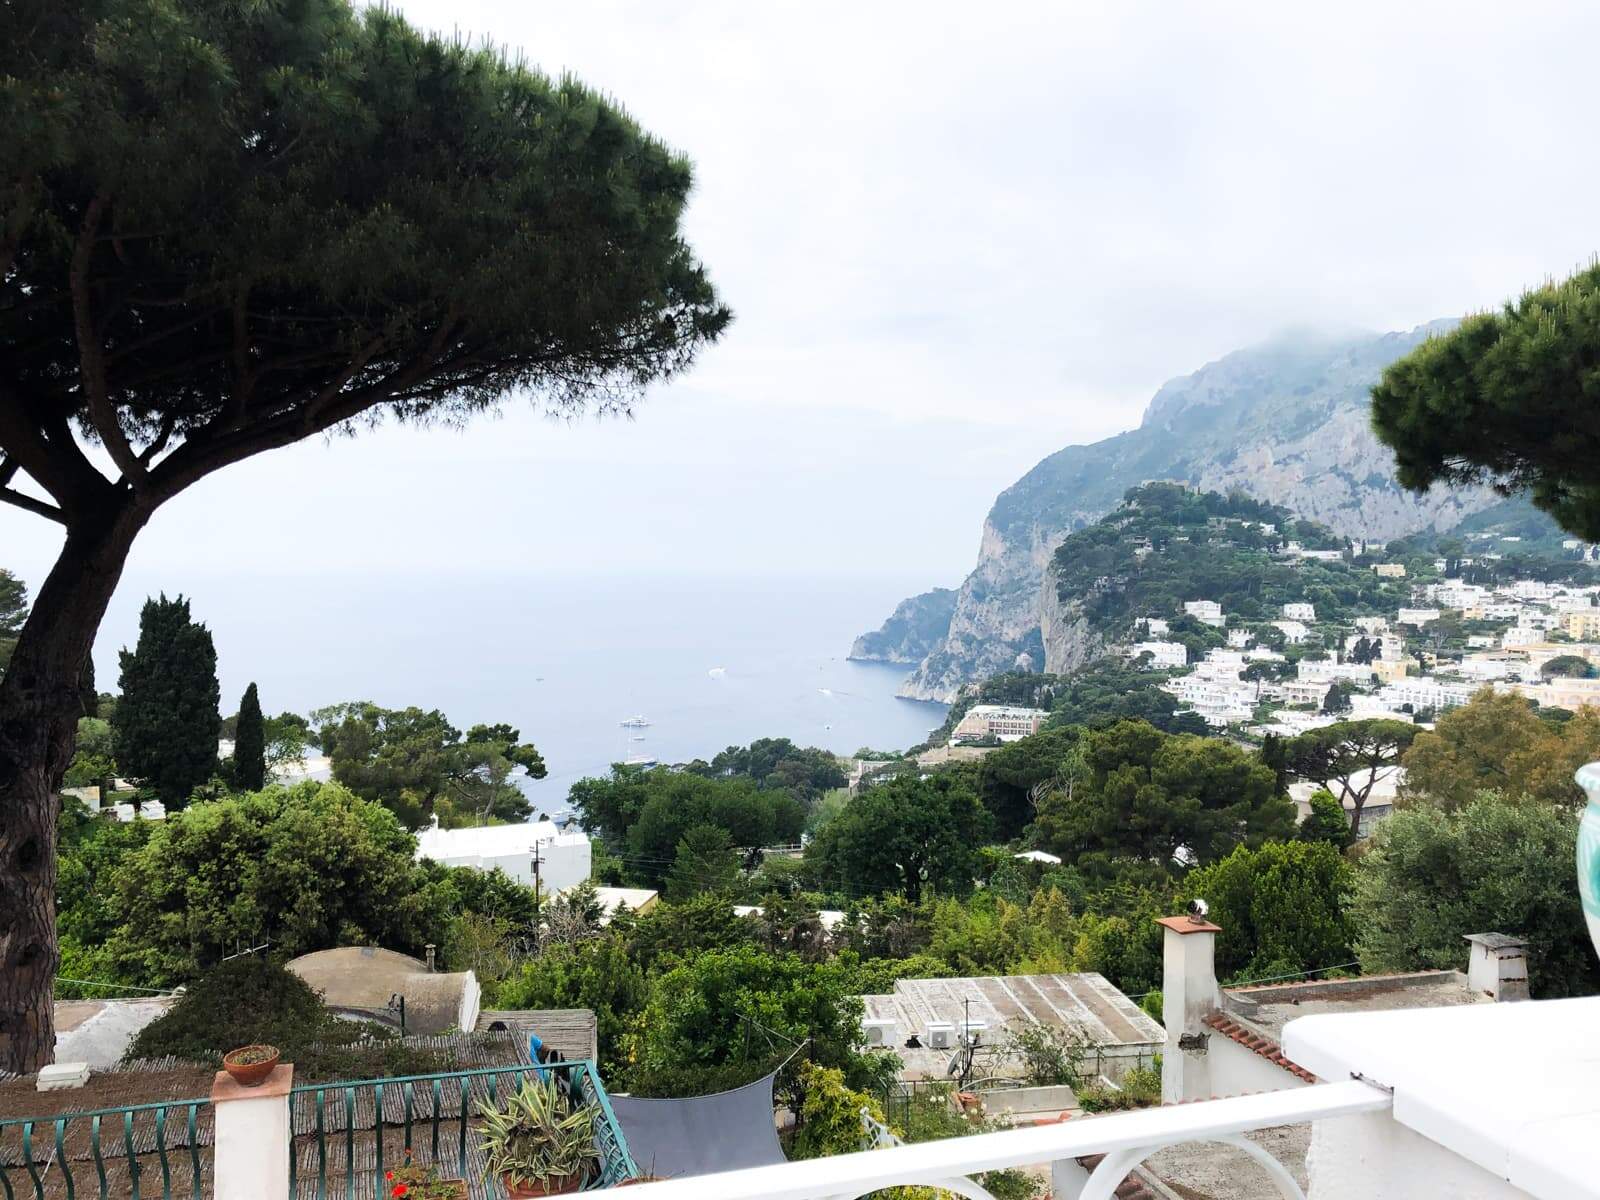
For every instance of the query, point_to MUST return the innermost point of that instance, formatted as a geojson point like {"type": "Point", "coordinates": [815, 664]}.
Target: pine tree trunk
{"type": "Point", "coordinates": [40, 702]}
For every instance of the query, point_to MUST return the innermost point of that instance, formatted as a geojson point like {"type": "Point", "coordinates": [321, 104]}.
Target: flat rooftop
{"type": "Point", "coordinates": [1273, 1006]}
{"type": "Point", "coordinates": [1085, 1002]}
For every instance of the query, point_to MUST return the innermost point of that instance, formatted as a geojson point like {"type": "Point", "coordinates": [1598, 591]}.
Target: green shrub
{"type": "Point", "coordinates": [1141, 1088]}
{"type": "Point", "coordinates": [254, 1000]}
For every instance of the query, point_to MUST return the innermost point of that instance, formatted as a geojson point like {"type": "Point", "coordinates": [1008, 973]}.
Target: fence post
{"type": "Point", "coordinates": [253, 1136]}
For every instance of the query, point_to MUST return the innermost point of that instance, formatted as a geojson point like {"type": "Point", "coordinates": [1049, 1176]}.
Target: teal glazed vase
{"type": "Point", "coordinates": [1588, 778]}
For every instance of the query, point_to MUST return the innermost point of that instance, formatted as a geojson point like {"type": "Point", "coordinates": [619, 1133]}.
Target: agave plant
{"type": "Point", "coordinates": [538, 1136]}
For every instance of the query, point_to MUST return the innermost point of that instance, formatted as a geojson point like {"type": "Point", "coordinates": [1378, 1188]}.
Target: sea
{"type": "Point", "coordinates": [708, 661]}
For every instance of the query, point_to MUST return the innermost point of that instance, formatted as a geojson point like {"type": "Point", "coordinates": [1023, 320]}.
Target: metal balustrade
{"type": "Point", "coordinates": [1125, 1139]}
{"type": "Point", "coordinates": [109, 1153]}
{"type": "Point", "coordinates": [345, 1135]}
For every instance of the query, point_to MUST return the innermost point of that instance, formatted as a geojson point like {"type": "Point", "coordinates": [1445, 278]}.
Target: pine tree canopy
{"type": "Point", "coordinates": [226, 227]}
{"type": "Point", "coordinates": [1507, 398]}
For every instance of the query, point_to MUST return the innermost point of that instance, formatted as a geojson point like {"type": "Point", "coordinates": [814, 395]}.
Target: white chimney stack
{"type": "Point", "coordinates": [1189, 994]}
{"type": "Point", "coordinates": [1498, 966]}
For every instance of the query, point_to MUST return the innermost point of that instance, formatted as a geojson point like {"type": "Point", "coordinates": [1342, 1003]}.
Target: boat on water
{"type": "Point", "coordinates": [635, 722]}
{"type": "Point", "coordinates": [640, 760]}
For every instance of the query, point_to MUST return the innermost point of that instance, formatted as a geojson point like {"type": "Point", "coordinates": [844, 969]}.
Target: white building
{"type": "Point", "coordinates": [1416, 616]}
{"type": "Point", "coordinates": [1294, 632]}
{"type": "Point", "coordinates": [1517, 635]}
{"type": "Point", "coordinates": [1371, 625]}
{"type": "Point", "coordinates": [1208, 612]}
{"type": "Point", "coordinates": [1300, 612]}
{"type": "Point", "coordinates": [1164, 656]}
{"type": "Point", "coordinates": [1328, 670]}
{"type": "Point", "coordinates": [564, 858]}
{"type": "Point", "coordinates": [1239, 639]}
{"type": "Point", "coordinates": [1008, 722]}
{"type": "Point", "coordinates": [1155, 627]}
{"type": "Point", "coordinates": [1304, 691]}
{"type": "Point", "coordinates": [1424, 691]}
{"type": "Point", "coordinates": [1482, 668]}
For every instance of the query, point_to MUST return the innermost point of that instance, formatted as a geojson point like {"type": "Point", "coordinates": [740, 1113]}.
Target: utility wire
{"type": "Point", "coordinates": [116, 987]}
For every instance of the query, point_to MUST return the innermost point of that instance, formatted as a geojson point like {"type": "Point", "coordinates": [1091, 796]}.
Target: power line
{"type": "Point", "coordinates": [116, 987]}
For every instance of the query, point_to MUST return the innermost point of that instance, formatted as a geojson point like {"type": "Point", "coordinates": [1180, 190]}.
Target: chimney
{"type": "Point", "coordinates": [1189, 994]}
{"type": "Point", "coordinates": [1498, 966]}
{"type": "Point", "coordinates": [428, 950]}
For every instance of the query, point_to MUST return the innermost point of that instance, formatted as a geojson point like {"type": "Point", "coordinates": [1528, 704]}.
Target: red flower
{"type": "Point", "coordinates": [400, 1189]}
{"type": "Point", "coordinates": [388, 1174]}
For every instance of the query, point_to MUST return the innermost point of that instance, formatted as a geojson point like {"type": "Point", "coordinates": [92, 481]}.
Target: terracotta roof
{"type": "Point", "coordinates": [1131, 1188]}
{"type": "Point", "coordinates": [1188, 925]}
{"type": "Point", "coordinates": [1254, 1042]}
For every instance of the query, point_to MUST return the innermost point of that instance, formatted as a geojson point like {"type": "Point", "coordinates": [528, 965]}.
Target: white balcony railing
{"type": "Point", "coordinates": [1125, 1139]}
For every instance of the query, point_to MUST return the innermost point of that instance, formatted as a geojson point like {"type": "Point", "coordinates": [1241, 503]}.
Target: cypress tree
{"type": "Point", "coordinates": [250, 744]}
{"type": "Point", "coordinates": [166, 722]}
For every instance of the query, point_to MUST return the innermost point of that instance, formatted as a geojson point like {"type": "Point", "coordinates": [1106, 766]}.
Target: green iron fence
{"type": "Point", "coordinates": [109, 1153]}
{"type": "Point", "coordinates": [346, 1135]}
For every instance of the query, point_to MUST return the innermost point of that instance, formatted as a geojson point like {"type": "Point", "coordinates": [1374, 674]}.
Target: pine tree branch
{"type": "Point", "coordinates": [29, 504]}
{"type": "Point", "coordinates": [91, 361]}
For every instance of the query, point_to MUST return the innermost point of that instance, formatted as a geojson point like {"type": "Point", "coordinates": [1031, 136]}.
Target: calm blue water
{"type": "Point", "coordinates": [711, 663]}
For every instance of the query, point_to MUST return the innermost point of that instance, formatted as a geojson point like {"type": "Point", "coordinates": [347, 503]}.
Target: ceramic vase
{"type": "Point", "coordinates": [1588, 778]}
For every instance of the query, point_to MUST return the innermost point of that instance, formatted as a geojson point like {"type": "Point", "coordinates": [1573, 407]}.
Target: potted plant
{"type": "Point", "coordinates": [416, 1182]}
{"type": "Point", "coordinates": [539, 1142]}
{"type": "Point", "coordinates": [250, 1065]}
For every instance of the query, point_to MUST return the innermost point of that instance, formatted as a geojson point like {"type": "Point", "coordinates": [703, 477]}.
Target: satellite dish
{"type": "Point", "coordinates": [954, 1067]}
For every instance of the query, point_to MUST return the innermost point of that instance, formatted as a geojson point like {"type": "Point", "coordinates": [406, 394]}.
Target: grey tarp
{"type": "Point", "coordinates": [702, 1134]}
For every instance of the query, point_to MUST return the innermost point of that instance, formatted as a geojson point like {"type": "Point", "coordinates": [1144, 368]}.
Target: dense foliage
{"type": "Point", "coordinates": [1505, 398]}
{"type": "Point", "coordinates": [166, 721]}
{"type": "Point", "coordinates": [1498, 742]}
{"type": "Point", "coordinates": [803, 771]}
{"type": "Point", "coordinates": [1281, 908]}
{"type": "Point", "coordinates": [418, 765]}
{"type": "Point", "coordinates": [647, 814]}
{"type": "Point", "coordinates": [302, 868]}
{"type": "Point", "coordinates": [1148, 794]}
{"type": "Point", "coordinates": [13, 612]}
{"type": "Point", "coordinates": [908, 835]}
{"type": "Point", "coordinates": [1167, 544]}
{"type": "Point", "coordinates": [1490, 866]}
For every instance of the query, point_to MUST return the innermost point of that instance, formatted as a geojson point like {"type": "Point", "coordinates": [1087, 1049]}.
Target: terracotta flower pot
{"type": "Point", "coordinates": [558, 1185]}
{"type": "Point", "coordinates": [257, 1065]}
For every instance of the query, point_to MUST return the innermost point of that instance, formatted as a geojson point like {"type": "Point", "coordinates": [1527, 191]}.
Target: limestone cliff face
{"type": "Point", "coordinates": [1285, 422]}
{"type": "Point", "coordinates": [911, 633]}
{"type": "Point", "coordinates": [1069, 643]}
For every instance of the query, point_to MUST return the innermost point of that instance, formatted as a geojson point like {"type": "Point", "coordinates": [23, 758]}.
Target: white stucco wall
{"type": "Point", "coordinates": [1374, 1157]}
{"type": "Point", "coordinates": [471, 1002]}
{"type": "Point", "coordinates": [1236, 1069]}
{"type": "Point", "coordinates": [252, 1140]}
{"type": "Point", "coordinates": [565, 859]}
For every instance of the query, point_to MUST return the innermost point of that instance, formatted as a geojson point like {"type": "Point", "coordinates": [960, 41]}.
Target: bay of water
{"type": "Point", "coordinates": [709, 662]}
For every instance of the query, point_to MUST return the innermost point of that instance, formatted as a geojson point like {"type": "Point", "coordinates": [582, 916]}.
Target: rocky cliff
{"type": "Point", "coordinates": [1286, 422]}
{"type": "Point", "coordinates": [911, 633]}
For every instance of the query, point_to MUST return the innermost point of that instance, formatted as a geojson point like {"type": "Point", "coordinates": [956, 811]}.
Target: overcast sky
{"type": "Point", "coordinates": [956, 237]}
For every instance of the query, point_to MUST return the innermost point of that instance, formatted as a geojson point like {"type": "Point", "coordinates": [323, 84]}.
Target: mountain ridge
{"type": "Point", "coordinates": [1285, 422]}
